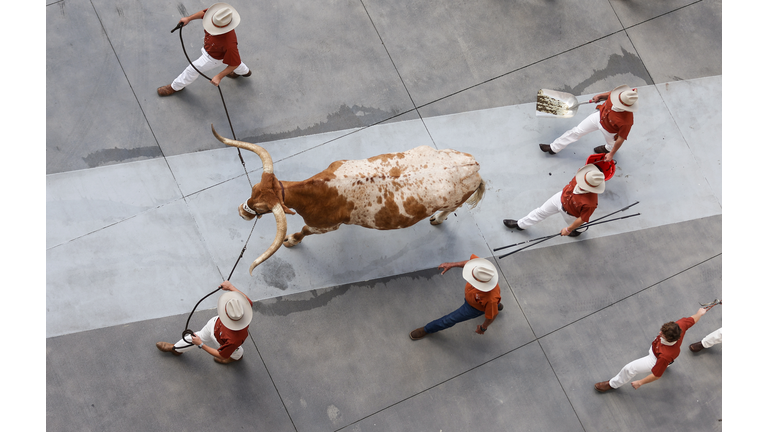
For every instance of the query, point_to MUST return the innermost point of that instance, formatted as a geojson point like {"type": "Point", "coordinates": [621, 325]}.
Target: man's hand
{"type": "Point", "coordinates": [196, 340]}
{"type": "Point", "coordinates": [184, 21]}
{"type": "Point", "coordinates": [448, 266]}
{"type": "Point", "coordinates": [700, 313]}
{"type": "Point", "coordinates": [227, 286]}
{"type": "Point", "coordinates": [479, 330]}
{"type": "Point", "coordinates": [216, 80]}
{"type": "Point", "coordinates": [636, 384]}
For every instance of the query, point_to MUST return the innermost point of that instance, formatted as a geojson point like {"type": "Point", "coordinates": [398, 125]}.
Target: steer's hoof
{"type": "Point", "coordinates": [435, 221]}
{"type": "Point", "coordinates": [289, 243]}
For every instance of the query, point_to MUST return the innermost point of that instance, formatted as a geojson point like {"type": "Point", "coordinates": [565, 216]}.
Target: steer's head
{"type": "Point", "coordinates": [266, 197]}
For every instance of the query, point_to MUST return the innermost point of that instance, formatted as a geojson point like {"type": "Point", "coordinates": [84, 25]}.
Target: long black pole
{"type": "Point", "coordinates": [555, 235]}
{"type": "Point", "coordinates": [543, 239]}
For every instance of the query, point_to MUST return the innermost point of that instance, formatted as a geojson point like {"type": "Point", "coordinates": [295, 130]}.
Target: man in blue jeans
{"type": "Point", "coordinates": [482, 296]}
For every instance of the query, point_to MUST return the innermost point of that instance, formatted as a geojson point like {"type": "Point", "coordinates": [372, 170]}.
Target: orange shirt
{"type": "Point", "coordinates": [615, 122]}
{"type": "Point", "coordinates": [666, 354]}
{"type": "Point", "coordinates": [483, 301]}
{"type": "Point", "coordinates": [578, 205]}
{"type": "Point", "coordinates": [223, 47]}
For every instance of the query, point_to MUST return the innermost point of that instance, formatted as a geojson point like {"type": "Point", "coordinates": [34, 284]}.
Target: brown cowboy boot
{"type": "Point", "coordinates": [235, 76]}
{"type": "Point", "coordinates": [600, 149]}
{"type": "Point", "coordinates": [546, 148]}
{"type": "Point", "coordinates": [167, 347]}
{"type": "Point", "coordinates": [418, 333]}
{"type": "Point", "coordinates": [696, 347]}
{"type": "Point", "coordinates": [166, 90]}
{"type": "Point", "coordinates": [603, 387]}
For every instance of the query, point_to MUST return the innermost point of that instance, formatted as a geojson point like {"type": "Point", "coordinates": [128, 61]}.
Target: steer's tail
{"type": "Point", "coordinates": [477, 196]}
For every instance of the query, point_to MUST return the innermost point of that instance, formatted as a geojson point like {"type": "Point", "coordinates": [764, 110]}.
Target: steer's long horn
{"type": "Point", "coordinates": [282, 229]}
{"type": "Point", "coordinates": [266, 159]}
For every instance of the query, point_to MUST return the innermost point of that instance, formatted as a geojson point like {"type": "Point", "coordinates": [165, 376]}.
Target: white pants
{"type": "Point", "coordinates": [208, 338]}
{"type": "Point", "coordinates": [640, 366]}
{"type": "Point", "coordinates": [203, 64]}
{"type": "Point", "coordinates": [713, 338]}
{"type": "Point", "coordinates": [550, 207]}
{"type": "Point", "coordinates": [589, 124]}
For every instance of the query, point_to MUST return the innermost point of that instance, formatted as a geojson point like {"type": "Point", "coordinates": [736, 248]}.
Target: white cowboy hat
{"type": "Point", "coordinates": [481, 274]}
{"type": "Point", "coordinates": [235, 310]}
{"type": "Point", "coordinates": [590, 178]}
{"type": "Point", "coordinates": [220, 18]}
{"type": "Point", "coordinates": [625, 98]}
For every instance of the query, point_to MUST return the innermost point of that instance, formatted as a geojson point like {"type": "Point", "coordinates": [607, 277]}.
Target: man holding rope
{"type": "Point", "coordinates": [219, 47]}
{"type": "Point", "coordinates": [576, 202]}
{"type": "Point", "coordinates": [663, 352]}
{"type": "Point", "coordinates": [224, 334]}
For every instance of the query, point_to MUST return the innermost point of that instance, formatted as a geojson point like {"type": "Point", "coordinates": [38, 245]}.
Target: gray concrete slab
{"type": "Point", "coordinates": [495, 395]}
{"type": "Point", "coordinates": [682, 45]}
{"type": "Point", "coordinates": [368, 325]}
{"type": "Point", "coordinates": [690, 102]}
{"type": "Point", "coordinates": [596, 273]}
{"type": "Point", "coordinates": [84, 201]}
{"type": "Point", "coordinates": [631, 13]}
{"type": "Point", "coordinates": [122, 273]}
{"type": "Point", "coordinates": [585, 70]}
{"type": "Point", "coordinates": [595, 349]}
{"type": "Point", "coordinates": [116, 380]}
{"type": "Point", "coordinates": [92, 116]}
{"type": "Point", "coordinates": [440, 48]}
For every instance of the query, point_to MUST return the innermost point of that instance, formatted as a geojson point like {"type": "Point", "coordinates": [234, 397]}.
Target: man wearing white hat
{"type": "Point", "coordinates": [482, 296]}
{"type": "Point", "coordinates": [613, 119]}
{"type": "Point", "coordinates": [219, 47]}
{"type": "Point", "coordinates": [576, 202]}
{"type": "Point", "coordinates": [224, 334]}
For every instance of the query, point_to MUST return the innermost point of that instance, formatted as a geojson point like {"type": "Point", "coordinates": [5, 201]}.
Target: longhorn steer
{"type": "Point", "coordinates": [384, 192]}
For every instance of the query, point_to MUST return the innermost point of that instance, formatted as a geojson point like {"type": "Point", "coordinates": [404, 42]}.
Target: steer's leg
{"type": "Point", "coordinates": [294, 239]}
{"type": "Point", "coordinates": [441, 216]}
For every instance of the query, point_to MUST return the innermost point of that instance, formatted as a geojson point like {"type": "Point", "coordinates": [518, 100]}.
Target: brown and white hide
{"type": "Point", "coordinates": [385, 192]}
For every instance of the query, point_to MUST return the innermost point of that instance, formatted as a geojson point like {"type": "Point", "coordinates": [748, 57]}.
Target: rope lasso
{"type": "Point", "coordinates": [179, 27]}
{"type": "Point", "coordinates": [187, 331]}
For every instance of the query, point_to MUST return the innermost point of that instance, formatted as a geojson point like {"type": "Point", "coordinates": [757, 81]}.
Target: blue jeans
{"type": "Point", "coordinates": [465, 312]}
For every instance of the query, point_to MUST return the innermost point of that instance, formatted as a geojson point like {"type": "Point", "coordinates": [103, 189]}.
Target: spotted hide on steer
{"type": "Point", "coordinates": [384, 192]}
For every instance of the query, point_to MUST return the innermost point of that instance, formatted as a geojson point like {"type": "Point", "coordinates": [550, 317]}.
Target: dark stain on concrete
{"type": "Point", "coordinates": [282, 306]}
{"type": "Point", "coordinates": [345, 118]}
{"type": "Point", "coordinates": [285, 305]}
{"type": "Point", "coordinates": [278, 272]}
{"type": "Point", "coordinates": [182, 10]}
{"type": "Point", "coordinates": [626, 62]}
{"type": "Point", "coordinates": [107, 156]}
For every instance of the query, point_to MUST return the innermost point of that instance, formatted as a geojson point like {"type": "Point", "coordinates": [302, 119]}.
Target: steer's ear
{"type": "Point", "coordinates": [287, 210]}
